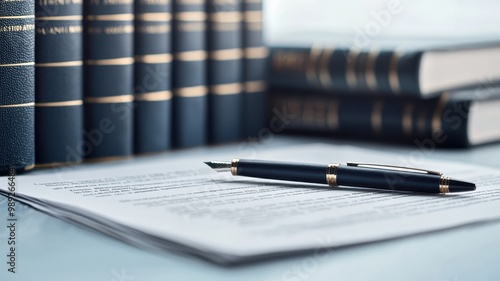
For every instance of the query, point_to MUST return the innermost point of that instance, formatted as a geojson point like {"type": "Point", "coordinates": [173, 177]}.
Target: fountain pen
{"type": "Point", "coordinates": [352, 174]}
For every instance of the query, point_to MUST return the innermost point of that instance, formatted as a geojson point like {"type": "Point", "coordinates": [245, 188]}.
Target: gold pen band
{"type": "Point", "coordinates": [234, 166]}
{"type": "Point", "coordinates": [331, 175]}
{"type": "Point", "coordinates": [444, 184]}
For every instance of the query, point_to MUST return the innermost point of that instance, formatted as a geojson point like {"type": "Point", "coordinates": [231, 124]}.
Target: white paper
{"type": "Point", "coordinates": [181, 204]}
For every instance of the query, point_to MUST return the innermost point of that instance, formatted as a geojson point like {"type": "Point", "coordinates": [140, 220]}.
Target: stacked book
{"type": "Point", "coordinates": [103, 80]}
{"type": "Point", "coordinates": [426, 92]}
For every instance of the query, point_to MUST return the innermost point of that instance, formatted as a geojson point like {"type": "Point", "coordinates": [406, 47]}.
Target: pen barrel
{"type": "Point", "coordinates": [387, 179]}
{"type": "Point", "coordinates": [301, 172]}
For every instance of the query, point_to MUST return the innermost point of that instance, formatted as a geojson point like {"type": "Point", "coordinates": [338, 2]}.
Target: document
{"type": "Point", "coordinates": [180, 204]}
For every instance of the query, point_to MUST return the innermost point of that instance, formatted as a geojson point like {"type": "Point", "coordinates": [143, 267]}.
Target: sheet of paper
{"type": "Point", "coordinates": [229, 219]}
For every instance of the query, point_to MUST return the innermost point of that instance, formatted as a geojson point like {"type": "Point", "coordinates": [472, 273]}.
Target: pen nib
{"type": "Point", "coordinates": [219, 166]}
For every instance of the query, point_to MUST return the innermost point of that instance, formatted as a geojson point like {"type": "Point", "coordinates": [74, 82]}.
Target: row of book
{"type": "Point", "coordinates": [105, 79]}
{"type": "Point", "coordinates": [422, 91]}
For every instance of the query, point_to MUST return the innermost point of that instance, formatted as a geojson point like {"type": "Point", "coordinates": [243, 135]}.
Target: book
{"type": "Point", "coordinates": [58, 83]}
{"type": "Point", "coordinates": [255, 69]}
{"type": "Point", "coordinates": [109, 79]}
{"type": "Point", "coordinates": [406, 67]}
{"type": "Point", "coordinates": [225, 70]}
{"type": "Point", "coordinates": [189, 75]}
{"type": "Point", "coordinates": [176, 203]}
{"type": "Point", "coordinates": [459, 118]}
{"type": "Point", "coordinates": [153, 70]}
{"type": "Point", "coordinates": [17, 85]}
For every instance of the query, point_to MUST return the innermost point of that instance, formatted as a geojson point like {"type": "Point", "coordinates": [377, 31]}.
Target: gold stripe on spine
{"type": "Point", "coordinates": [371, 79]}
{"type": "Point", "coordinates": [189, 92]}
{"type": "Point", "coordinates": [59, 103]}
{"type": "Point", "coordinates": [154, 96]}
{"type": "Point", "coordinates": [29, 167]}
{"type": "Point", "coordinates": [256, 53]}
{"type": "Point", "coordinates": [156, 58]}
{"type": "Point", "coordinates": [60, 18]}
{"type": "Point", "coordinates": [56, 164]}
{"type": "Point", "coordinates": [331, 175]}
{"type": "Point", "coordinates": [18, 64]}
{"type": "Point", "coordinates": [311, 74]}
{"type": "Point", "coordinates": [324, 68]}
{"type": "Point", "coordinates": [117, 61]}
{"type": "Point", "coordinates": [376, 118]}
{"type": "Point", "coordinates": [155, 17]}
{"type": "Point", "coordinates": [226, 17]}
{"type": "Point", "coordinates": [255, 86]}
{"type": "Point", "coordinates": [229, 54]}
{"type": "Point", "coordinates": [350, 74]}
{"type": "Point", "coordinates": [17, 17]}
{"type": "Point", "coordinates": [191, 56]}
{"type": "Point", "coordinates": [18, 105]}
{"type": "Point", "coordinates": [190, 16]}
{"type": "Point", "coordinates": [116, 17]}
{"type": "Point", "coordinates": [226, 89]}
{"type": "Point", "coordinates": [253, 16]}
{"type": "Point", "coordinates": [59, 64]}
{"type": "Point", "coordinates": [444, 184]}
{"type": "Point", "coordinates": [393, 73]}
{"type": "Point", "coordinates": [407, 121]}
{"type": "Point", "coordinates": [332, 115]}
{"type": "Point", "coordinates": [234, 166]}
{"type": "Point", "coordinates": [438, 114]}
{"type": "Point", "coordinates": [112, 99]}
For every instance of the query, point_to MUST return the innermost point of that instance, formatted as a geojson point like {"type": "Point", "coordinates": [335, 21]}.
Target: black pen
{"type": "Point", "coordinates": [353, 174]}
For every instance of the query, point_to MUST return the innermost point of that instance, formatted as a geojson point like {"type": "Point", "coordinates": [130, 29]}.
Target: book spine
{"type": "Point", "coordinates": [255, 68]}
{"type": "Point", "coordinates": [58, 82]}
{"type": "Point", "coordinates": [189, 81]}
{"type": "Point", "coordinates": [225, 70]}
{"type": "Point", "coordinates": [421, 122]}
{"type": "Point", "coordinates": [153, 66]}
{"type": "Point", "coordinates": [17, 85]}
{"type": "Point", "coordinates": [109, 78]}
{"type": "Point", "coordinates": [346, 70]}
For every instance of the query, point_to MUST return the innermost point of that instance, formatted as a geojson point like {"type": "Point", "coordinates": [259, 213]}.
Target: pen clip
{"type": "Point", "coordinates": [394, 168]}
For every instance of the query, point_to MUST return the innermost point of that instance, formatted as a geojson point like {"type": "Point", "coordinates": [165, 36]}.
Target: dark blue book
{"type": "Point", "coordinates": [189, 80]}
{"type": "Point", "coordinates": [225, 70]}
{"type": "Point", "coordinates": [109, 79]}
{"type": "Point", "coordinates": [416, 67]}
{"type": "Point", "coordinates": [17, 85]}
{"type": "Point", "coordinates": [458, 118]}
{"type": "Point", "coordinates": [58, 83]}
{"type": "Point", "coordinates": [153, 63]}
{"type": "Point", "coordinates": [255, 69]}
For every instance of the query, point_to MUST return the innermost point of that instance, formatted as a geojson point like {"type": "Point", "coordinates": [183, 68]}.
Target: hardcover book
{"type": "Point", "coordinates": [418, 67]}
{"type": "Point", "coordinates": [17, 85]}
{"type": "Point", "coordinates": [458, 118]}
{"type": "Point", "coordinates": [189, 76]}
{"type": "Point", "coordinates": [255, 68]}
{"type": "Point", "coordinates": [109, 79]}
{"type": "Point", "coordinates": [58, 83]}
{"type": "Point", "coordinates": [225, 70]}
{"type": "Point", "coordinates": [153, 70]}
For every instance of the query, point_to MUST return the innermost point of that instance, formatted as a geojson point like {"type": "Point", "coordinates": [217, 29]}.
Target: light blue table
{"type": "Point", "coordinates": [50, 249]}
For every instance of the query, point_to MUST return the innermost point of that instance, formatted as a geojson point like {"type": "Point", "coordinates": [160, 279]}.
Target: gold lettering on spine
{"type": "Point", "coordinates": [438, 114]}
{"type": "Point", "coordinates": [408, 120]}
{"type": "Point", "coordinates": [324, 68]}
{"type": "Point", "coordinates": [351, 69]}
{"type": "Point", "coordinates": [377, 118]}
{"type": "Point", "coordinates": [371, 79]}
{"type": "Point", "coordinates": [393, 73]}
{"type": "Point", "coordinates": [17, 28]}
{"type": "Point", "coordinates": [311, 74]}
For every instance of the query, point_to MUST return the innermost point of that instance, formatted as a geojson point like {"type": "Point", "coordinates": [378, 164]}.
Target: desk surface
{"type": "Point", "coordinates": [50, 249]}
